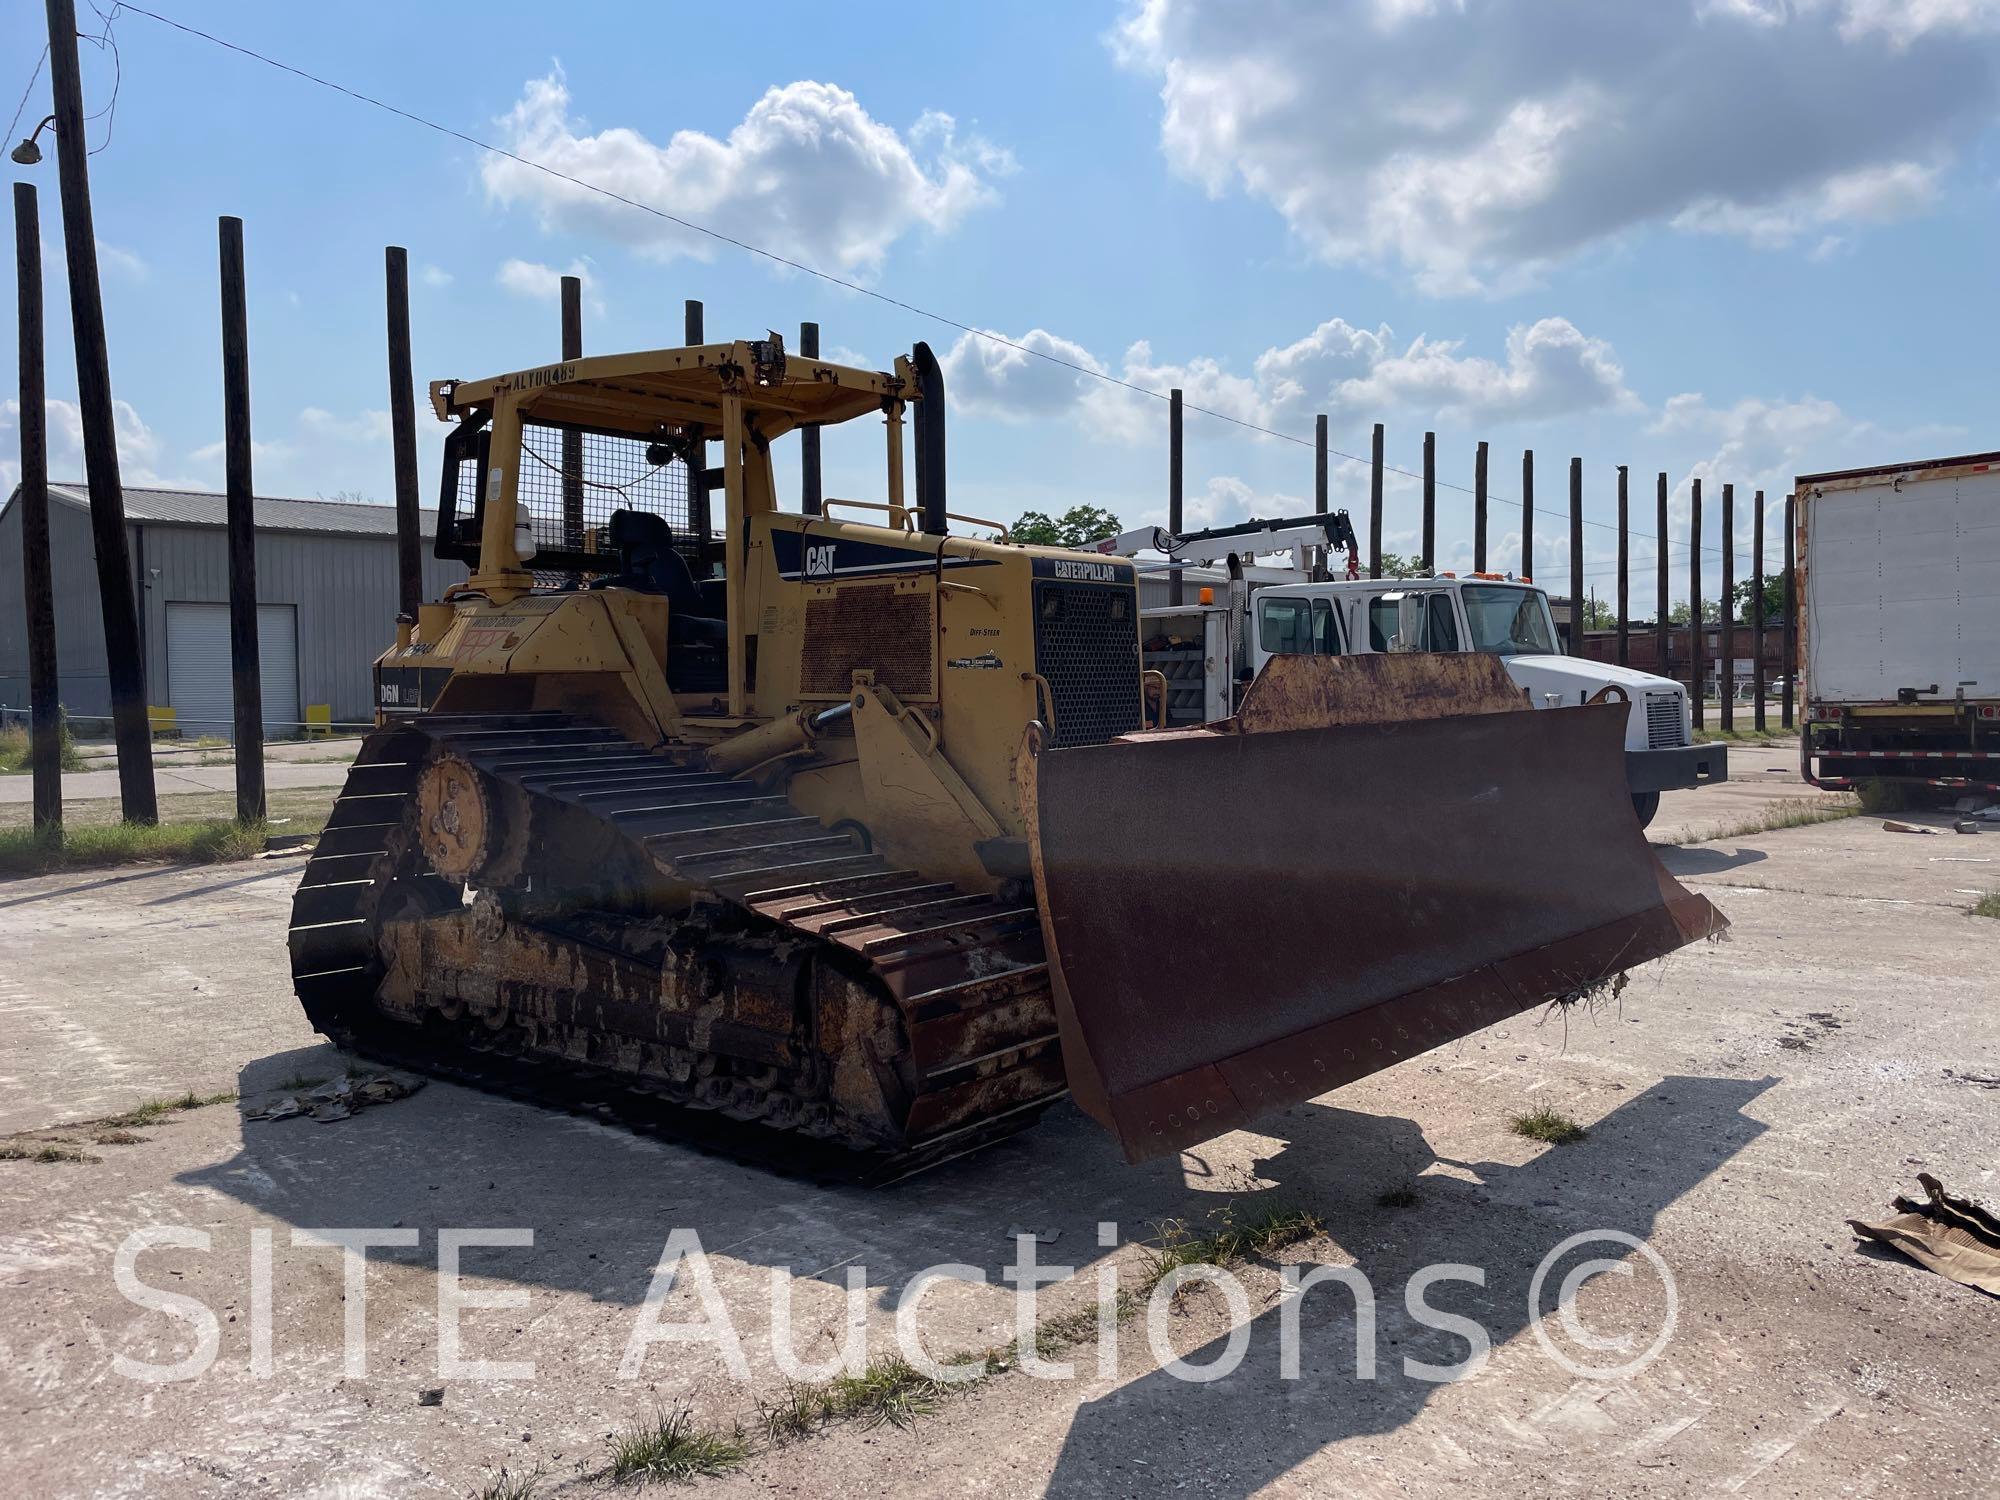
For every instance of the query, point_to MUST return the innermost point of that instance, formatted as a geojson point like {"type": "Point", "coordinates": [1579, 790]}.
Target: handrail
{"type": "Point", "coordinates": [830, 501]}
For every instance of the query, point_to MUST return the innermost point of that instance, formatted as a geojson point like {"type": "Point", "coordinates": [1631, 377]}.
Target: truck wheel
{"type": "Point", "coordinates": [1645, 804]}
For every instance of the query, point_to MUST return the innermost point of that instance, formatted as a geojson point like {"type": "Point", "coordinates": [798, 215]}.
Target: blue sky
{"type": "Point", "coordinates": [1739, 239]}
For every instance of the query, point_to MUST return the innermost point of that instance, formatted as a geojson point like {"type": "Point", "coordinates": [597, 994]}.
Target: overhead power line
{"type": "Point", "coordinates": [775, 258]}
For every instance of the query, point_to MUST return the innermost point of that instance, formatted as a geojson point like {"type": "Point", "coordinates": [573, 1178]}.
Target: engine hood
{"type": "Point", "coordinates": [1566, 674]}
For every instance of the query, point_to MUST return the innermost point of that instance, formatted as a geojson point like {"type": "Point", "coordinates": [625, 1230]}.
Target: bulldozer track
{"type": "Point", "coordinates": [963, 972]}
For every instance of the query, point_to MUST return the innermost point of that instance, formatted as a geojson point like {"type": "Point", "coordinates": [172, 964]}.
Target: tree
{"type": "Point", "coordinates": [1711, 612]}
{"type": "Point", "coordinates": [1076, 527]}
{"type": "Point", "coordinates": [1774, 598]}
{"type": "Point", "coordinates": [1598, 614]}
{"type": "Point", "coordinates": [1395, 565]}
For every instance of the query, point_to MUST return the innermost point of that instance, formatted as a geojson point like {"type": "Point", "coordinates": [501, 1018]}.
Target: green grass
{"type": "Point", "coordinates": [1227, 1240]}
{"type": "Point", "coordinates": [670, 1445]}
{"type": "Point", "coordinates": [1987, 905]}
{"type": "Point", "coordinates": [1786, 812]}
{"type": "Point", "coordinates": [1878, 796]}
{"type": "Point", "coordinates": [207, 841]}
{"type": "Point", "coordinates": [1711, 734]}
{"type": "Point", "coordinates": [17, 748]}
{"type": "Point", "coordinates": [889, 1390]}
{"type": "Point", "coordinates": [514, 1486]}
{"type": "Point", "coordinates": [153, 1111]}
{"type": "Point", "coordinates": [1547, 1125]}
{"type": "Point", "coordinates": [43, 1151]}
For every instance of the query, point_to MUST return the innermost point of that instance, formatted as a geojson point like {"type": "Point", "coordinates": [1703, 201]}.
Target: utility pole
{"type": "Point", "coordinates": [1479, 509]}
{"type": "Point", "coordinates": [1662, 635]}
{"type": "Point", "coordinates": [115, 584]}
{"type": "Point", "coordinates": [1430, 503]}
{"type": "Point", "coordinates": [1697, 632]}
{"type": "Point", "coordinates": [1375, 504]}
{"type": "Point", "coordinates": [1175, 476]}
{"type": "Point", "coordinates": [38, 585]}
{"type": "Point", "coordinates": [1624, 572]}
{"type": "Point", "coordinates": [572, 440]}
{"type": "Point", "coordinates": [697, 459]}
{"type": "Point", "coordinates": [243, 664]}
{"type": "Point", "coordinates": [403, 435]}
{"type": "Point", "coordinates": [1528, 513]}
{"type": "Point", "coordinates": [1319, 489]}
{"type": "Point", "coordinates": [811, 498]}
{"type": "Point", "coordinates": [1757, 610]}
{"type": "Point", "coordinates": [1726, 635]}
{"type": "Point", "coordinates": [1576, 556]}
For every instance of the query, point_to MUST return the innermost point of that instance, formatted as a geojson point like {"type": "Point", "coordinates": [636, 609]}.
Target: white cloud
{"type": "Point", "coordinates": [1474, 145]}
{"type": "Point", "coordinates": [140, 451]}
{"type": "Point", "coordinates": [362, 427]}
{"type": "Point", "coordinates": [530, 278]}
{"type": "Point", "coordinates": [125, 262]}
{"type": "Point", "coordinates": [1551, 369]}
{"type": "Point", "coordinates": [807, 173]}
{"type": "Point", "coordinates": [436, 276]}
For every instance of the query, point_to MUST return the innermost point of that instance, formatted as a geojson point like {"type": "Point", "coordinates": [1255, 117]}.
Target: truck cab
{"type": "Point", "coordinates": [1508, 618]}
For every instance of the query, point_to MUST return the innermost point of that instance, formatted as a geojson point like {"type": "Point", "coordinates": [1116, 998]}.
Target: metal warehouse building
{"type": "Point", "coordinates": [326, 603]}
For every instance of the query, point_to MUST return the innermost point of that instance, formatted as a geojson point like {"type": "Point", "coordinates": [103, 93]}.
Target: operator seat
{"type": "Point", "coordinates": [649, 562]}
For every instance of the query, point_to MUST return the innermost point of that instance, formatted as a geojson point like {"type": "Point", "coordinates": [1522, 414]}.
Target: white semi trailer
{"type": "Point", "coordinates": [1898, 580]}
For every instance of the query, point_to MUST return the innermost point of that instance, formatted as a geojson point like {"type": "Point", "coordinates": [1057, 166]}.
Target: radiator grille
{"type": "Point", "coordinates": [1087, 646]}
{"type": "Point", "coordinates": [1663, 721]}
{"type": "Point", "coordinates": [869, 627]}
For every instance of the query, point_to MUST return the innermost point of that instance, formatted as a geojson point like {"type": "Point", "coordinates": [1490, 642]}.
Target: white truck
{"type": "Point", "coordinates": [1898, 573]}
{"type": "Point", "coordinates": [1206, 651]}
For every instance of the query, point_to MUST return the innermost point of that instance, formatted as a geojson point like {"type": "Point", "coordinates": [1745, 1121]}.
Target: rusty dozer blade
{"type": "Point", "coordinates": [1376, 856]}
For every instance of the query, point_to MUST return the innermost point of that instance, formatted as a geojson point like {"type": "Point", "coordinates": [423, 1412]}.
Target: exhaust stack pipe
{"type": "Point", "coordinates": [930, 440]}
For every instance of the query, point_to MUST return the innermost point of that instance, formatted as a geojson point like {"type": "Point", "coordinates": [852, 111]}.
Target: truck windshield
{"type": "Point", "coordinates": [1509, 621]}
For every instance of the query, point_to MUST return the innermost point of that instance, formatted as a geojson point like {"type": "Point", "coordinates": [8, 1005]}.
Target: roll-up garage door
{"type": "Point", "coordinates": [198, 675]}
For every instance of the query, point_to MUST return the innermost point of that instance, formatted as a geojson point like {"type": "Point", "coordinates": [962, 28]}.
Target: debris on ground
{"type": "Point", "coordinates": [1890, 825]}
{"type": "Point", "coordinates": [338, 1099]}
{"type": "Point", "coordinates": [1965, 825]}
{"type": "Point", "coordinates": [1952, 1236]}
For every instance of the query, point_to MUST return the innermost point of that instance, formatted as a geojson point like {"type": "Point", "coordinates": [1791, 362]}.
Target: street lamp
{"type": "Point", "coordinates": [28, 153]}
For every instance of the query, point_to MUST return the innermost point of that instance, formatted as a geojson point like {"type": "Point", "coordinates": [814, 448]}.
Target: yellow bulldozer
{"type": "Point", "coordinates": [838, 837]}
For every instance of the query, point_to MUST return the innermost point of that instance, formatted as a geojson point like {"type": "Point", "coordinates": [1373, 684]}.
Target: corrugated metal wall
{"type": "Point", "coordinates": [84, 687]}
{"type": "Point", "coordinates": [343, 586]}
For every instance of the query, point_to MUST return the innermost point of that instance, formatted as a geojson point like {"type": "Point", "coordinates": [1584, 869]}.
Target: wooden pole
{"type": "Point", "coordinates": [1791, 613]}
{"type": "Point", "coordinates": [572, 441]}
{"type": "Point", "coordinates": [1528, 513]}
{"type": "Point", "coordinates": [38, 585]}
{"type": "Point", "coordinates": [1175, 478]}
{"type": "Point", "coordinates": [1319, 488]}
{"type": "Point", "coordinates": [1662, 633]}
{"type": "Point", "coordinates": [116, 587]}
{"type": "Point", "coordinates": [403, 435]}
{"type": "Point", "coordinates": [1624, 571]}
{"type": "Point", "coordinates": [241, 513]}
{"type": "Point", "coordinates": [1430, 502]}
{"type": "Point", "coordinates": [1757, 611]}
{"type": "Point", "coordinates": [1727, 633]}
{"type": "Point", "coordinates": [1479, 509]}
{"type": "Point", "coordinates": [698, 517]}
{"type": "Point", "coordinates": [1578, 614]}
{"type": "Point", "coordinates": [811, 497]}
{"type": "Point", "coordinates": [1697, 633]}
{"type": "Point", "coordinates": [1375, 503]}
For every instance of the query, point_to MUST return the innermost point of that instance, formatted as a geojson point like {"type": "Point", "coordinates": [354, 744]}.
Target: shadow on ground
{"type": "Point", "coordinates": [1636, 1161]}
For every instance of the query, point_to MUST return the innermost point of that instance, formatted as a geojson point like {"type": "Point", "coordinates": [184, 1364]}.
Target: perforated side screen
{"type": "Point", "coordinates": [869, 627]}
{"type": "Point", "coordinates": [571, 481]}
